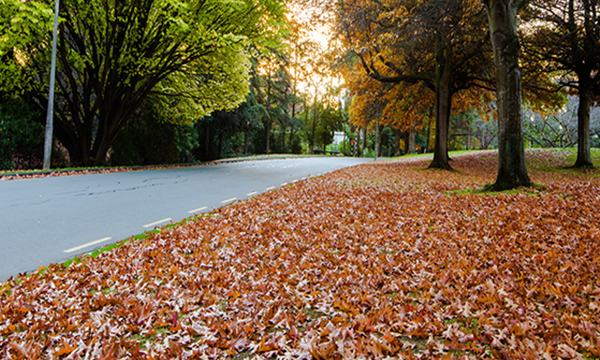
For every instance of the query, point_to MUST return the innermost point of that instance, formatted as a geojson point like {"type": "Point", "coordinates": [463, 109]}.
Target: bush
{"type": "Point", "coordinates": [149, 139]}
{"type": "Point", "coordinates": [21, 135]}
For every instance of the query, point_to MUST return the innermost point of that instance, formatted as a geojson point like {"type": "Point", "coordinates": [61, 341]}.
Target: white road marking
{"type": "Point", "coordinates": [197, 210]}
{"type": "Point", "coordinates": [252, 193]}
{"type": "Point", "coordinates": [304, 178]}
{"type": "Point", "coordinates": [294, 181]}
{"type": "Point", "coordinates": [271, 188]}
{"type": "Point", "coordinates": [284, 184]}
{"type": "Point", "coordinates": [228, 200]}
{"type": "Point", "coordinates": [157, 222]}
{"type": "Point", "coordinates": [88, 244]}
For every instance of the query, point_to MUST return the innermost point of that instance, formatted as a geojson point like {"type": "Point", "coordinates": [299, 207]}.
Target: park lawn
{"type": "Point", "coordinates": [384, 259]}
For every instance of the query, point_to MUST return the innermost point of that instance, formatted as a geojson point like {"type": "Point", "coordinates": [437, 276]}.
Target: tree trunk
{"type": "Point", "coordinates": [268, 135]}
{"type": "Point", "coordinates": [363, 144]}
{"type": "Point", "coordinates": [291, 139]}
{"type": "Point", "coordinates": [356, 147]}
{"type": "Point", "coordinates": [283, 133]}
{"type": "Point", "coordinates": [443, 101]}
{"type": "Point", "coordinates": [379, 142]}
{"type": "Point", "coordinates": [99, 158]}
{"type": "Point", "coordinates": [428, 142]}
{"type": "Point", "coordinates": [584, 157]}
{"type": "Point", "coordinates": [397, 135]}
{"type": "Point", "coordinates": [409, 141]}
{"type": "Point", "coordinates": [512, 171]}
{"type": "Point", "coordinates": [313, 132]}
{"type": "Point", "coordinates": [468, 139]}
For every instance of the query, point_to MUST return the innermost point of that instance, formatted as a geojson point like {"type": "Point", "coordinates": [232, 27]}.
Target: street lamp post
{"type": "Point", "coordinates": [50, 114]}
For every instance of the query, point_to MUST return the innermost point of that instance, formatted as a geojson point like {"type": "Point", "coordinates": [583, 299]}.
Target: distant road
{"type": "Point", "coordinates": [49, 220]}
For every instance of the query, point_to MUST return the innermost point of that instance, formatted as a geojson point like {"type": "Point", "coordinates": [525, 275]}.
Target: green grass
{"type": "Point", "coordinates": [533, 191]}
{"type": "Point", "coordinates": [429, 154]}
{"type": "Point", "coordinates": [562, 161]}
{"type": "Point", "coordinates": [312, 313]}
{"type": "Point", "coordinates": [595, 153]}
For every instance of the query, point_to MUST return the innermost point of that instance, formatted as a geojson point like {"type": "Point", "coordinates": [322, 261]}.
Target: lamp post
{"type": "Point", "coordinates": [50, 114]}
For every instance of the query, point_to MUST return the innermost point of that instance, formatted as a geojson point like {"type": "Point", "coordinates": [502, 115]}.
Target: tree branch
{"type": "Point", "coordinates": [519, 4]}
{"type": "Point", "coordinates": [373, 73]}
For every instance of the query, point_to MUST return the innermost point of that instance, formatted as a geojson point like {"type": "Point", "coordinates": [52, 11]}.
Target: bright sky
{"type": "Point", "coordinates": [319, 34]}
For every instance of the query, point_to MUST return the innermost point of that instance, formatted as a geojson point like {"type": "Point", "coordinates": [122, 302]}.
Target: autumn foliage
{"type": "Point", "coordinates": [379, 260]}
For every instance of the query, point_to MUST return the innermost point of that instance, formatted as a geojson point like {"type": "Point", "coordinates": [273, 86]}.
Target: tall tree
{"type": "Point", "coordinates": [402, 106]}
{"type": "Point", "coordinates": [565, 34]}
{"type": "Point", "coordinates": [112, 55]}
{"type": "Point", "coordinates": [272, 85]}
{"type": "Point", "coordinates": [502, 16]}
{"type": "Point", "coordinates": [435, 42]}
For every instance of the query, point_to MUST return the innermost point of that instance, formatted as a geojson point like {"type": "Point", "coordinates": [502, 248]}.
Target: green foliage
{"type": "Point", "coordinates": [320, 122]}
{"type": "Point", "coordinates": [331, 121]}
{"type": "Point", "coordinates": [113, 55]}
{"type": "Point", "coordinates": [219, 83]}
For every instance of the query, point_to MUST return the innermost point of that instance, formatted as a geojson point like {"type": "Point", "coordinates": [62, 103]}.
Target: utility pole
{"type": "Point", "coordinates": [50, 114]}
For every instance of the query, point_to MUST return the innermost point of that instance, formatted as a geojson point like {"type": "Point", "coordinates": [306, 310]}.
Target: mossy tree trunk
{"type": "Point", "coordinates": [512, 171]}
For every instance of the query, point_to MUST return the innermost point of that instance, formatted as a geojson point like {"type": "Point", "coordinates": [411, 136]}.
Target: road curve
{"type": "Point", "coordinates": [50, 220]}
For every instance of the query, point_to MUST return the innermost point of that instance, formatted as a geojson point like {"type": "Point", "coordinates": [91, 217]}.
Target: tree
{"type": "Point", "coordinates": [113, 55]}
{"type": "Point", "coordinates": [502, 16]}
{"type": "Point", "coordinates": [566, 37]}
{"type": "Point", "coordinates": [433, 42]}
{"type": "Point", "coordinates": [402, 106]}
{"type": "Point", "coordinates": [272, 86]}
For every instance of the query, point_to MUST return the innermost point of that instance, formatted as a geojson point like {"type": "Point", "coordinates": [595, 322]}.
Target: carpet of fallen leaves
{"type": "Point", "coordinates": [382, 260]}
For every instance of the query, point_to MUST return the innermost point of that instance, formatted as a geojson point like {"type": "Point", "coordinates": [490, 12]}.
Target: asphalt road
{"type": "Point", "coordinates": [50, 220]}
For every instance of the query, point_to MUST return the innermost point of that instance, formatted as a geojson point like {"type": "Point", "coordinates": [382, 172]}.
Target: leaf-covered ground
{"type": "Point", "coordinates": [382, 260]}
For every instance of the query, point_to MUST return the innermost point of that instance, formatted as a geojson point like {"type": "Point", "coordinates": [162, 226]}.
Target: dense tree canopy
{"type": "Point", "coordinates": [441, 44]}
{"type": "Point", "coordinates": [113, 54]}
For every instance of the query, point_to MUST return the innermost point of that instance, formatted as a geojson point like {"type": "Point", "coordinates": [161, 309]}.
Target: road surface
{"type": "Point", "coordinates": [50, 220]}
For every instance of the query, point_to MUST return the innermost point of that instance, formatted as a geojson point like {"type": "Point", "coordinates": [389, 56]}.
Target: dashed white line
{"type": "Point", "coordinates": [284, 184]}
{"type": "Point", "coordinates": [271, 188]}
{"type": "Point", "coordinates": [157, 222]}
{"type": "Point", "coordinates": [228, 200]}
{"type": "Point", "coordinates": [252, 193]}
{"type": "Point", "coordinates": [197, 210]}
{"type": "Point", "coordinates": [88, 244]}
